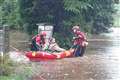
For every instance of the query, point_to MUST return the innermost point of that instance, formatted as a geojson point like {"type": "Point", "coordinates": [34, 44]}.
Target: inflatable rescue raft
{"type": "Point", "coordinates": [42, 55]}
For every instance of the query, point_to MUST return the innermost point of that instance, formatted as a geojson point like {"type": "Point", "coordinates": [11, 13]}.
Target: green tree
{"type": "Point", "coordinates": [101, 15]}
{"type": "Point", "coordinates": [92, 16]}
{"type": "Point", "coordinates": [10, 13]}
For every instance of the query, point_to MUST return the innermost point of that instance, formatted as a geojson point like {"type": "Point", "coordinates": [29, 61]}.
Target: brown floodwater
{"type": "Point", "coordinates": [100, 62]}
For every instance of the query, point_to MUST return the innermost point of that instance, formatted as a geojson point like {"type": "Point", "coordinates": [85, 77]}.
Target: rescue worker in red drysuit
{"type": "Point", "coordinates": [79, 41]}
{"type": "Point", "coordinates": [38, 41]}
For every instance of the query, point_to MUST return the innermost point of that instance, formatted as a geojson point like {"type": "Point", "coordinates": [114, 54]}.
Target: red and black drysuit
{"type": "Point", "coordinates": [38, 42]}
{"type": "Point", "coordinates": [78, 43]}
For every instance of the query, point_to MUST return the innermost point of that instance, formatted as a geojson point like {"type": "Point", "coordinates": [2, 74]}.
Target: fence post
{"type": "Point", "coordinates": [1, 40]}
{"type": "Point", "coordinates": [6, 38]}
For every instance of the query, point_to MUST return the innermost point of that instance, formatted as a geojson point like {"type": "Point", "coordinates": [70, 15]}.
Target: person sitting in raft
{"type": "Point", "coordinates": [79, 41]}
{"type": "Point", "coordinates": [38, 41]}
{"type": "Point", "coordinates": [53, 46]}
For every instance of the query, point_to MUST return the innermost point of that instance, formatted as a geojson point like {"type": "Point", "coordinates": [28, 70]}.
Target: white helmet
{"type": "Point", "coordinates": [76, 27]}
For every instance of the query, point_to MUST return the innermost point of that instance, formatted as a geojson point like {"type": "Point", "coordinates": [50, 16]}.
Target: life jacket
{"type": "Point", "coordinates": [39, 39]}
{"type": "Point", "coordinates": [80, 38]}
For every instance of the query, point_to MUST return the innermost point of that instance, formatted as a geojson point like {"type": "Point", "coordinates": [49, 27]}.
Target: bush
{"type": "Point", "coordinates": [6, 66]}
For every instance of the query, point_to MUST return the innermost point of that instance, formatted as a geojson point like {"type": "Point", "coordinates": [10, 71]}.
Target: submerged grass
{"type": "Point", "coordinates": [10, 70]}
{"type": "Point", "coordinates": [6, 66]}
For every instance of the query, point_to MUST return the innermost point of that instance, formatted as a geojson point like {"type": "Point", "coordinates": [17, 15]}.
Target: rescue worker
{"type": "Point", "coordinates": [38, 41]}
{"type": "Point", "coordinates": [79, 41]}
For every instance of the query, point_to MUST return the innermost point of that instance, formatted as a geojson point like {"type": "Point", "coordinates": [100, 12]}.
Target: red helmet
{"type": "Point", "coordinates": [43, 33]}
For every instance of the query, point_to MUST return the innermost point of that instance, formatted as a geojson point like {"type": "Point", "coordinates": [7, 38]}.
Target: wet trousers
{"type": "Point", "coordinates": [79, 50]}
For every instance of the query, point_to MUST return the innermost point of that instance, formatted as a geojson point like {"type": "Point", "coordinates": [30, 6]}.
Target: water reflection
{"type": "Point", "coordinates": [111, 43]}
{"type": "Point", "coordinates": [109, 52]}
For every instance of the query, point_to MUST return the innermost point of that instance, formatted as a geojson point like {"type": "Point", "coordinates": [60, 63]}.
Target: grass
{"type": "Point", "coordinates": [6, 78]}
{"type": "Point", "coordinates": [6, 66]}
{"type": "Point", "coordinates": [10, 70]}
{"type": "Point", "coordinates": [21, 76]}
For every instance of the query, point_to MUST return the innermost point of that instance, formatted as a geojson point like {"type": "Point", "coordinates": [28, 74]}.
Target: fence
{"type": "Point", "coordinates": [4, 39]}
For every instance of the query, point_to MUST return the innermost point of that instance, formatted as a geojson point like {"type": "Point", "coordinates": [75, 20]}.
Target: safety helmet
{"type": "Point", "coordinates": [75, 28]}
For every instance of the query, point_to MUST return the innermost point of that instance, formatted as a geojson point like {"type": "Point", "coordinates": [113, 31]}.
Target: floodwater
{"type": "Point", "coordinates": [100, 62]}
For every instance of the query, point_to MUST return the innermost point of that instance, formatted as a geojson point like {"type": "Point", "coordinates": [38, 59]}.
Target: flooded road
{"type": "Point", "coordinates": [101, 62]}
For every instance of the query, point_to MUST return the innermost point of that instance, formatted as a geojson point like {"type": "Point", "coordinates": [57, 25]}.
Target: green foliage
{"type": "Point", "coordinates": [10, 13]}
{"type": "Point", "coordinates": [10, 70]}
{"type": "Point", "coordinates": [94, 16]}
{"type": "Point", "coordinates": [117, 15]}
{"type": "Point", "coordinates": [6, 78]}
{"type": "Point", "coordinates": [1, 1]}
{"type": "Point", "coordinates": [101, 15]}
{"type": "Point", "coordinates": [64, 40]}
{"type": "Point", "coordinates": [76, 5]}
{"type": "Point", "coordinates": [6, 66]}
